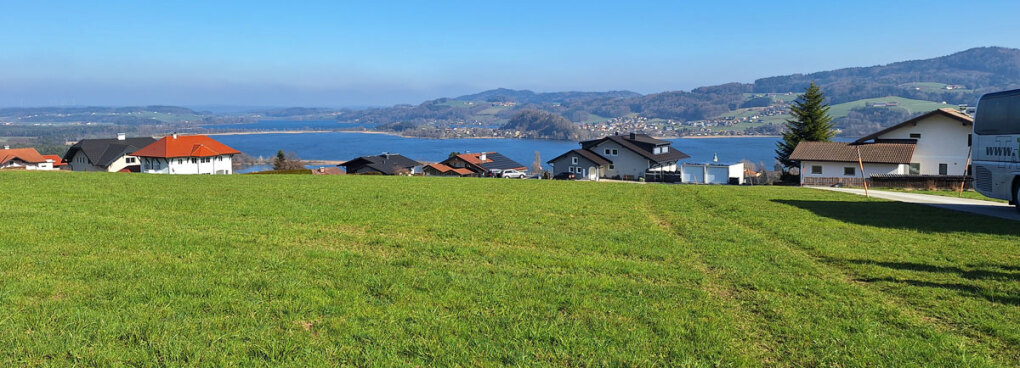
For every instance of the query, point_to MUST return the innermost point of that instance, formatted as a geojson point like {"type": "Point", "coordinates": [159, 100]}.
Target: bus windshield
{"type": "Point", "coordinates": [998, 114]}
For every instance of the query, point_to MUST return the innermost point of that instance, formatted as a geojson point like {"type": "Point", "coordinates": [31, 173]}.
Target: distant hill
{"type": "Point", "coordinates": [974, 72]}
{"type": "Point", "coordinates": [907, 86]}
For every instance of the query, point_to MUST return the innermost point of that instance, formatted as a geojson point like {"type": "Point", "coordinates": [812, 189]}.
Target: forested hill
{"type": "Point", "coordinates": [977, 71]}
{"type": "Point", "coordinates": [525, 96]}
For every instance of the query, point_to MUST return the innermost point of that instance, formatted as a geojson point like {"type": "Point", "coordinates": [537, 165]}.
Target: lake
{"type": "Point", "coordinates": [271, 125]}
{"type": "Point", "coordinates": [347, 145]}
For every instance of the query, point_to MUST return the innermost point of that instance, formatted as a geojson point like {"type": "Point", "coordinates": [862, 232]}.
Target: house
{"type": "Point", "coordinates": [473, 164]}
{"type": "Point", "coordinates": [713, 173]}
{"type": "Point", "coordinates": [23, 159]}
{"type": "Point", "coordinates": [617, 156]}
{"type": "Point", "coordinates": [110, 155]}
{"type": "Point", "coordinates": [941, 141]}
{"type": "Point", "coordinates": [186, 154]}
{"type": "Point", "coordinates": [58, 163]}
{"type": "Point", "coordinates": [830, 163]}
{"type": "Point", "coordinates": [936, 144]}
{"type": "Point", "coordinates": [384, 164]}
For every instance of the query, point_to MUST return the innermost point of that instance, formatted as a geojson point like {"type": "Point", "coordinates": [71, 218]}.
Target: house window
{"type": "Point", "coordinates": [611, 167]}
{"type": "Point", "coordinates": [943, 169]}
{"type": "Point", "coordinates": [657, 150]}
{"type": "Point", "coordinates": [573, 160]}
{"type": "Point", "coordinates": [850, 171]}
{"type": "Point", "coordinates": [130, 160]}
{"type": "Point", "coordinates": [915, 135]}
{"type": "Point", "coordinates": [615, 152]}
{"type": "Point", "coordinates": [570, 169]}
{"type": "Point", "coordinates": [219, 158]}
{"type": "Point", "coordinates": [915, 169]}
{"type": "Point", "coordinates": [970, 140]}
{"type": "Point", "coordinates": [665, 149]}
{"type": "Point", "coordinates": [206, 160]}
{"type": "Point", "coordinates": [816, 169]}
{"type": "Point", "coordinates": [194, 160]}
{"type": "Point", "coordinates": [607, 151]}
{"type": "Point", "coordinates": [180, 161]}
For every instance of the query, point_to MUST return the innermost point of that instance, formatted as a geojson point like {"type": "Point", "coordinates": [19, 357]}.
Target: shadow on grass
{"type": "Point", "coordinates": [968, 290]}
{"type": "Point", "coordinates": [985, 272]}
{"type": "Point", "coordinates": [980, 273]}
{"type": "Point", "coordinates": [907, 216]}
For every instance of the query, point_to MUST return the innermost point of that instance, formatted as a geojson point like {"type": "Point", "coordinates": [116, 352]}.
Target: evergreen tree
{"type": "Point", "coordinates": [811, 122]}
{"type": "Point", "coordinates": [280, 162]}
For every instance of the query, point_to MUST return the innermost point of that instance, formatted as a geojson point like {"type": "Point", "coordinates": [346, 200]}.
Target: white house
{"type": "Point", "coordinates": [191, 154]}
{"type": "Point", "coordinates": [23, 159]}
{"type": "Point", "coordinates": [936, 143]}
{"type": "Point", "coordinates": [110, 155]}
{"type": "Point", "coordinates": [625, 157]}
{"type": "Point", "coordinates": [941, 141]}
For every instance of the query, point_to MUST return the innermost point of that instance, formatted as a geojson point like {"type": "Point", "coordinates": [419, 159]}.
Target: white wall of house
{"type": "Point", "coordinates": [18, 164]}
{"type": "Point", "coordinates": [122, 162]}
{"type": "Point", "coordinates": [221, 164]}
{"type": "Point", "coordinates": [578, 165]}
{"type": "Point", "coordinates": [943, 141]}
{"type": "Point", "coordinates": [836, 169]}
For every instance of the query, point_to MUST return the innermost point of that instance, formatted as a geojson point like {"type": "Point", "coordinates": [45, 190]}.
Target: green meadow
{"type": "Point", "coordinates": [104, 269]}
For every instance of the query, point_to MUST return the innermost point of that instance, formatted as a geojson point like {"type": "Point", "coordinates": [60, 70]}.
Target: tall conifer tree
{"type": "Point", "coordinates": [811, 122]}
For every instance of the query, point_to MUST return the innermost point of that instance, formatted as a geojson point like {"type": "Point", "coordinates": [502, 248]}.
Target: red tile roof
{"type": "Point", "coordinates": [185, 146]}
{"type": "Point", "coordinates": [880, 153]}
{"type": "Point", "coordinates": [57, 161]}
{"type": "Point", "coordinates": [443, 168]}
{"type": "Point", "coordinates": [29, 155]}
{"type": "Point", "coordinates": [474, 157]}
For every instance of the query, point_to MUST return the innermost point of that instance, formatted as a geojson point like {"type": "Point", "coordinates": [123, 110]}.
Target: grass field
{"type": "Point", "coordinates": [275, 270]}
{"type": "Point", "coordinates": [911, 105]}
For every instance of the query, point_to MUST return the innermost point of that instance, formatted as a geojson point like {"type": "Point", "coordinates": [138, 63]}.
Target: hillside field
{"type": "Point", "coordinates": [104, 269]}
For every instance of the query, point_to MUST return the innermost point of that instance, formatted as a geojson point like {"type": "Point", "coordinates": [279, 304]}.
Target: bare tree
{"type": "Point", "coordinates": [536, 166]}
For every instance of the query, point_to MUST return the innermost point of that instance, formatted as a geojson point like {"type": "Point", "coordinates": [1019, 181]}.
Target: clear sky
{"type": "Point", "coordinates": [351, 53]}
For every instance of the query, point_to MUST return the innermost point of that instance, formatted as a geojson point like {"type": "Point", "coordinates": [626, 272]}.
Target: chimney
{"type": "Point", "coordinates": [121, 136]}
{"type": "Point", "coordinates": [175, 135]}
{"type": "Point", "coordinates": [482, 157]}
{"type": "Point", "coordinates": [632, 135]}
{"type": "Point", "coordinates": [7, 147]}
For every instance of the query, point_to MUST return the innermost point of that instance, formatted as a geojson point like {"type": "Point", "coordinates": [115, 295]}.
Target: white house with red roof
{"type": "Point", "coordinates": [24, 159]}
{"type": "Point", "coordinates": [186, 154]}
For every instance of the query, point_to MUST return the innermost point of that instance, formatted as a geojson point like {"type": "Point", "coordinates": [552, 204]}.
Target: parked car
{"type": "Point", "coordinates": [494, 173]}
{"type": "Point", "coordinates": [513, 174]}
{"type": "Point", "coordinates": [565, 176]}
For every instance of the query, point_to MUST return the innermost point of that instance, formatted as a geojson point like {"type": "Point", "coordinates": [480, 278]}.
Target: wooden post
{"type": "Point", "coordinates": [965, 167]}
{"type": "Point", "coordinates": [860, 163]}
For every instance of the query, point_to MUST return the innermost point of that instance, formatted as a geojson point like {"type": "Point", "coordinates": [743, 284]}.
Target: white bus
{"type": "Point", "coordinates": [996, 146]}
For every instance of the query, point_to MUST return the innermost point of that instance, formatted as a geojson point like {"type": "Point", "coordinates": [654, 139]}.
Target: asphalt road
{"type": "Point", "coordinates": [987, 208]}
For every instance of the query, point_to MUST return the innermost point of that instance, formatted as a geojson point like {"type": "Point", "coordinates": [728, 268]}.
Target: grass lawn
{"type": "Point", "coordinates": [104, 269]}
{"type": "Point", "coordinates": [969, 194]}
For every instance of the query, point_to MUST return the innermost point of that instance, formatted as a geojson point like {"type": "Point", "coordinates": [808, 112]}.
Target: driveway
{"type": "Point", "coordinates": [987, 208]}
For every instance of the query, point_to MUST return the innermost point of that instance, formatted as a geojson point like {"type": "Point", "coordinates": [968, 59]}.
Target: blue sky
{"type": "Point", "coordinates": [340, 53]}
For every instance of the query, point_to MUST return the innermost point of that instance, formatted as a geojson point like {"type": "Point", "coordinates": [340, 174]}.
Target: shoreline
{"type": "Point", "coordinates": [395, 134]}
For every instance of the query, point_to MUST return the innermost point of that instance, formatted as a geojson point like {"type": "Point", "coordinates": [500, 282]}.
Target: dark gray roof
{"type": "Point", "coordinates": [882, 153]}
{"type": "Point", "coordinates": [103, 152]}
{"type": "Point", "coordinates": [641, 144]}
{"type": "Point", "coordinates": [387, 164]}
{"type": "Point", "coordinates": [591, 156]}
